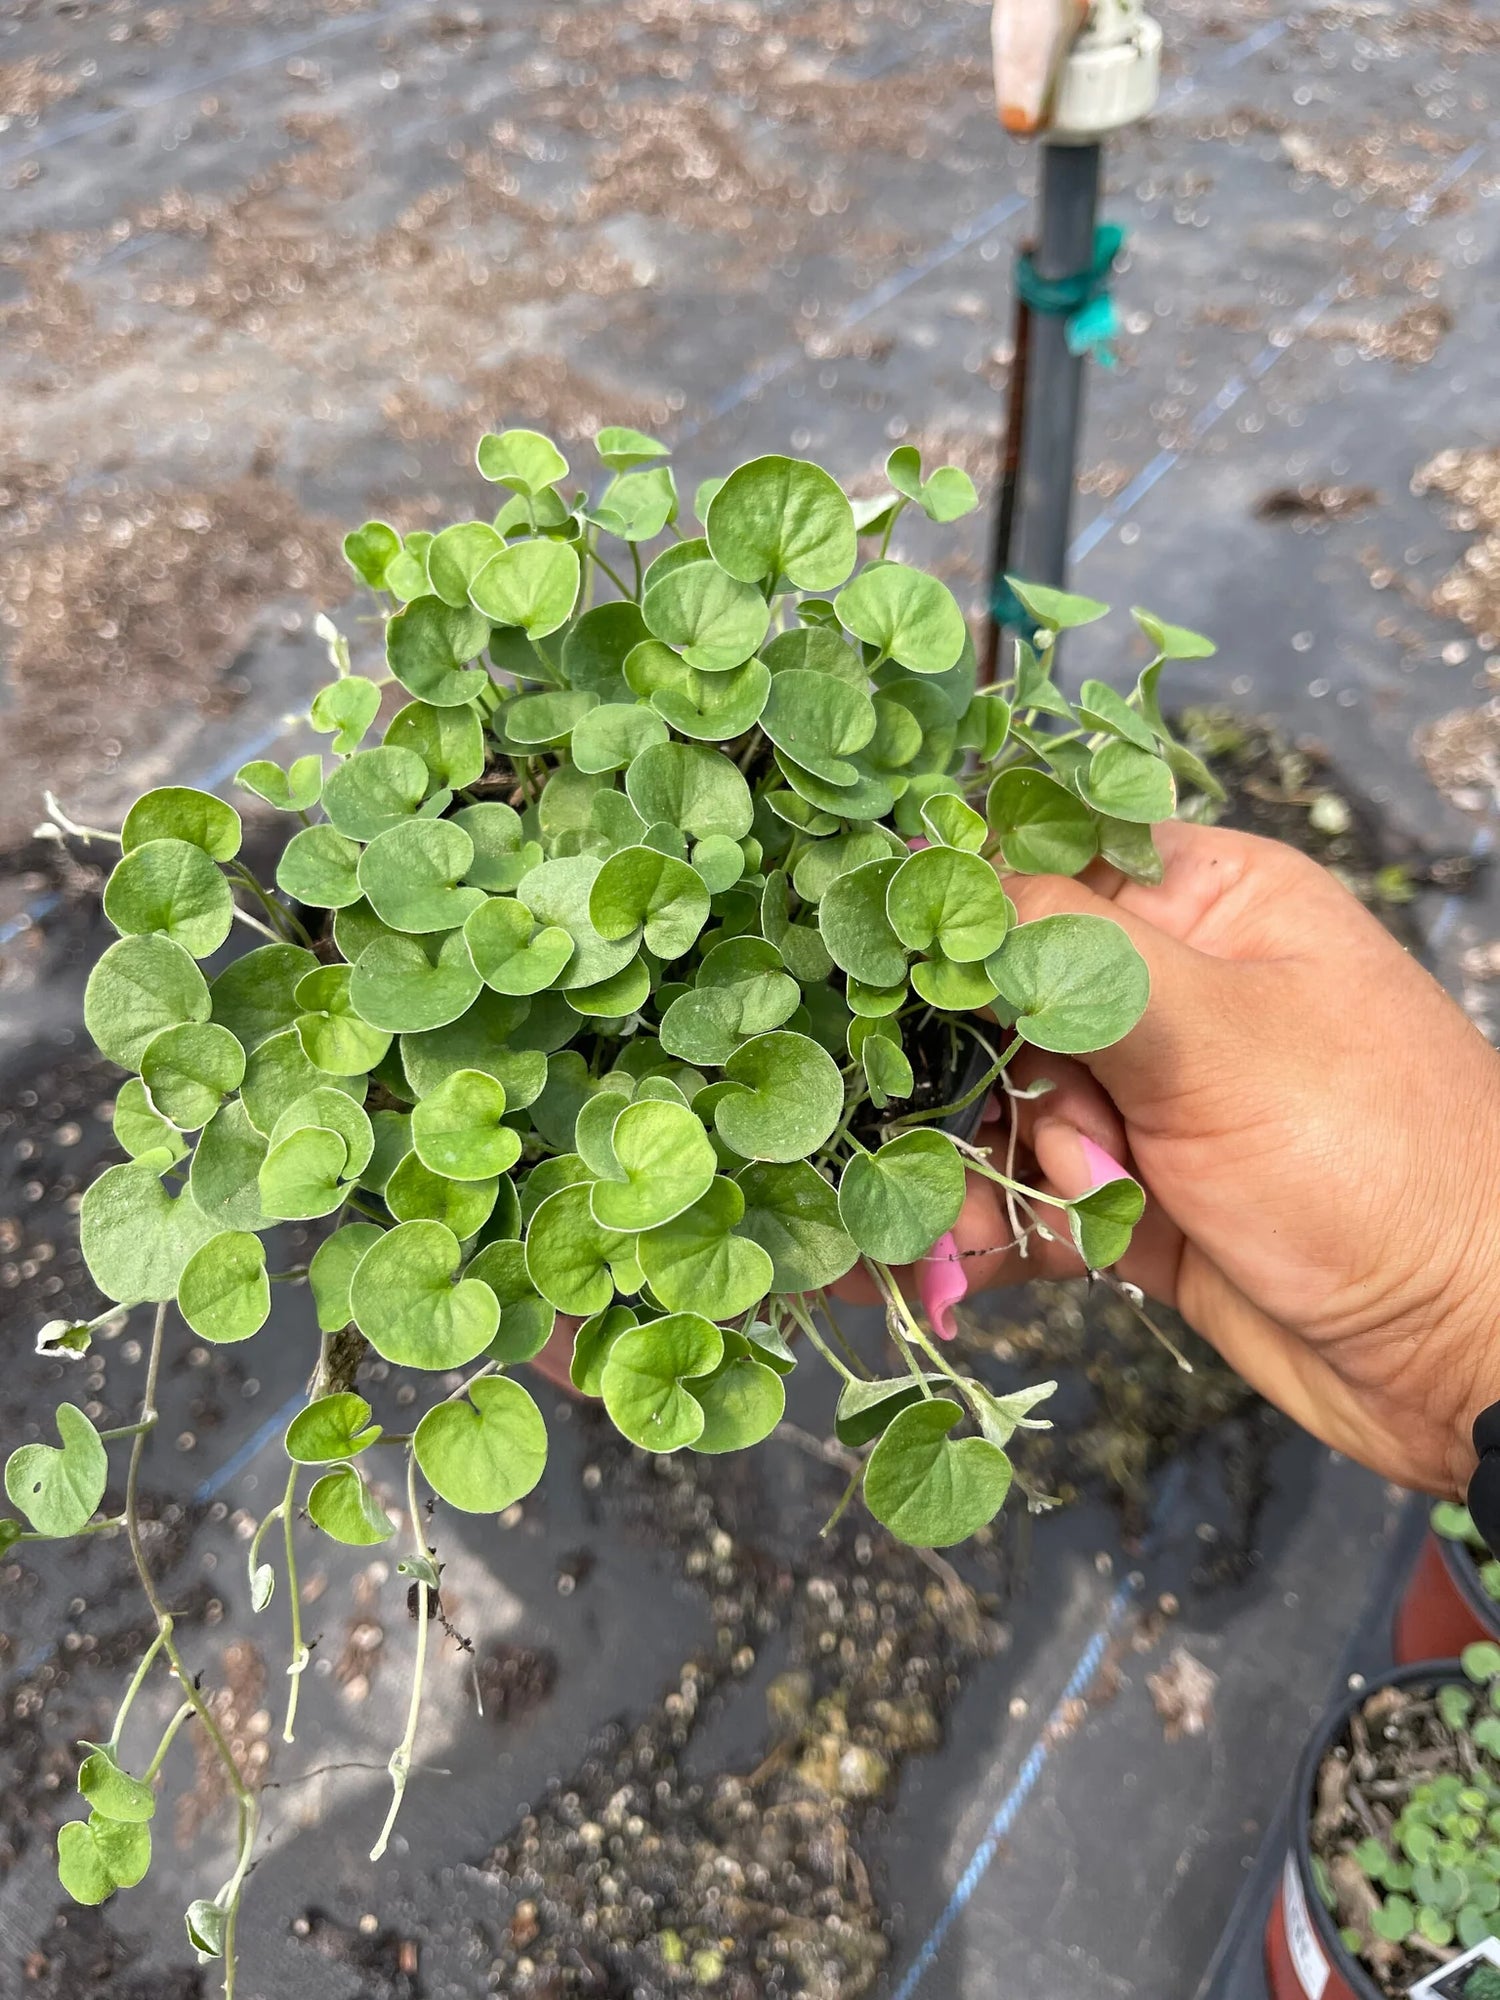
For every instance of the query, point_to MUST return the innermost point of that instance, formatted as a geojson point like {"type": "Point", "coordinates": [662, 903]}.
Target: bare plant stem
{"type": "Point", "coordinates": [400, 1764]}
{"type": "Point", "coordinates": [160, 1755]}
{"type": "Point", "coordinates": [247, 1806]}
{"type": "Point", "coordinates": [898, 1320]}
{"type": "Point", "coordinates": [299, 1650]}
{"type": "Point", "coordinates": [804, 1320]}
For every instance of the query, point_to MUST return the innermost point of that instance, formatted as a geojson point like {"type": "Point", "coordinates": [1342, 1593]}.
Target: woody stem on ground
{"type": "Point", "coordinates": [247, 1806]}
{"type": "Point", "coordinates": [400, 1764]}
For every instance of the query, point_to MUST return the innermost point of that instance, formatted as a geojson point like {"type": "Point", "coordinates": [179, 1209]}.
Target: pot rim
{"type": "Point", "coordinates": [1459, 1561]}
{"type": "Point", "coordinates": [1435, 1673]}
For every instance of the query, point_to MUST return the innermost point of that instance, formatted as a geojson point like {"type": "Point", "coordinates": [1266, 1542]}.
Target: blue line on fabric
{"type": "Point", "coordinates": [1006, 1814]}
{"type": "Point", "coordinates": [250, 1450]}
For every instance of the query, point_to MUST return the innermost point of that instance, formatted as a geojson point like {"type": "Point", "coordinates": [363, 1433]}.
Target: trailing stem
{"type": "Point", "coordinates": [400, 1764]}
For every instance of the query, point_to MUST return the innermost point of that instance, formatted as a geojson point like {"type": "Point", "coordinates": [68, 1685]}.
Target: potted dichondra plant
{"type": "Point", "coordinates": [639, 943]}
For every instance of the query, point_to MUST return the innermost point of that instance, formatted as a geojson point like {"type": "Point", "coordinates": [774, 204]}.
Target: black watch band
{"type": "Point", "coordinates": [1484, 1484]}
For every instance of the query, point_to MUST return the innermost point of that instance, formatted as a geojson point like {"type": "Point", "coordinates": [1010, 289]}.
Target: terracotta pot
{"type": "Point", "coordinates": [1444, 1607]}
{"type": "Point", "coordinates": [1305, 1958]}
{"type": "Point", "coordinates": [555, 1361]}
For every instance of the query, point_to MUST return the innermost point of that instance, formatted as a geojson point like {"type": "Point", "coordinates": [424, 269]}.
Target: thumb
{"type": "Point", "coordinates": [1198, 1018]}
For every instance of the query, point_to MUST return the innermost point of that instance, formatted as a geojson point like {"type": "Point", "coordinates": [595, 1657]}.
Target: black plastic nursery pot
{"type": "Point", "coordinates": [1305, 1957]}
{"type": "Point", "coordinates": [1444, 1607]}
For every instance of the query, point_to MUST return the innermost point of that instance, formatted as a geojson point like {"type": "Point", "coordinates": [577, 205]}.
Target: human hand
{"type": "Point", "coordinates": [1317, 1126]}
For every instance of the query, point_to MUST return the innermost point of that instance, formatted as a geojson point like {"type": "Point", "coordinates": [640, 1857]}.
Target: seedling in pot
{"type": "Point", "coordinates": [629, 968]}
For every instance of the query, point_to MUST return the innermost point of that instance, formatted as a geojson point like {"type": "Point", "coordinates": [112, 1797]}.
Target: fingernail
{"type": "Point", "coordinates": [1101, 1166]}
{"type": "Point", "coordinates": [941, 1283]}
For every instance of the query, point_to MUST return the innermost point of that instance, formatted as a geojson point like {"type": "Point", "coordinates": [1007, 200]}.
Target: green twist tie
{"type": "Point", "coordinates": [1082, 300]}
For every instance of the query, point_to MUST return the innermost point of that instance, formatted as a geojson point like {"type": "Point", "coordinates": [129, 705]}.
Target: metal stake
{"type": "Point", "coordinates": [1054, 378]}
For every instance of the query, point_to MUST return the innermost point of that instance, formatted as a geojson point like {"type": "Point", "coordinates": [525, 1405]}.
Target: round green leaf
{"type": "Point", "coordinates": [172, 887]}
{"type": "Point", "coordinates": [1130, 784]}
{"type": "Point", "coordinates": [711, 707]}
{"type": "Point", "coordinates": [667, 1162]}
{"type": "Point", "coordinates": [328, 1107]}
{"type": "Point", "coordinates": [334, 1427]}
{"type": "Point", "coordinates": [698, 790]}
{"type": "Point", "coordinates": [1076, 983]}
{"type": "Point", "coordinates": [370, 550]}
{"type": "Point", "coordinates": [569, 1254]}
{"type": "Point", "coordinates": [332, 1269]}
{"type": "Point", "coordinates": [135, 1237]}
{"type": "Point", "coordinates": [525, 461]}
{"type": "Point", "coordinates": [304, 1174]}
{"type": "Point", "coordinates": [953, 823]}
{"type": "Point", "coordinates": [318, 866]}
{"type": "Point", "coordinates": [296, 790]}
{"type": "Point", "coordinates": [449, 741]}
{"type": "Point", "coordinates": [638, 505]}
{"type": "Point", "coordinates": [897, 1202]}
{"type": "Point", "coordinates": [396, 985]}
{"type": "Point", "coordinates": [620, 448]}
{"type": "Point", "coordinates": [456, 557]}
{"type": "Point", "coordinates": [486, 1452]}
{"type": "Point", "coordinates": [428, 647]}
{"type": "Point", "coordinates": [510, 952]}
{"type": "Point", "coordinates": [224, 1293]}
{"type": "Point", "coordinates": [782, 517]}
{"type": "Point", "coordinates": [1059, 609]}
{"type": "Point", "coordinates": [640, 891]}
{"type": "Point", "coordinates": [391, 1131]}
{"type": "Point", "coordinates": [1101, 1222]}
{"type": "Point", "coordinates": [189, 1070]}
{"type": "Point", "coordinates": [869, 796]}
{"type": "Point", "coordinates": [820, 721]}
{"type": "Point", "coordinates": [343, 1506]}
{"type": "Point", "coordinates": [906, 615]}
{"type": "Point", "coordinates": [256, 997]}
{"type": "Point", "coordinates": [530, 585]}
{"type": "Point", "coordinates": [865, 1408]}
{"type": "Point", "coordinates": [526, 1318]}
{"type": "Point", "coordinates": [696, 1261]}
{"type": "Point", "coordinates": [597, 646]}
{"type": "Point", "coordinates": [177, 812]}
{"type": "Point", "coordinates": [714, 620]}
{"type": "Point", "coordinates": [929, 1489]}
{"type": "Point", "coordinates": [278, 1074]}
{"type": "Point", "coordinates": [793, 1214]}
{"type": "Point", "coordinates": [719, 861]}
{"type": "Point", "coordinates": [374, 790]}
{"type": "Point", "coordinates": [344, 710]}
{"type": "Point", "coordinates": [139, 1127]}
{"type": "Point", "coordinates": [607, 738]}
{"type": "Point", "coordinates": [457, 1130]}
{"type": "Point", "coordinates": [112, 1791]}
{"type": "Point", "coordinates": [545, 721]}
{"type": "Point", "coordinates": [224, 1178]}
{"type": "Point", "coordinates": [1043, 827]}
{"type": "Point", "coordinates": [58, 1489]}
{"type": "Point", "coordinates": [591, 1346]}
{"type": "Point", "coordinates": [557, 895]}
{"type": "Point", "coordinates": [957, 989]}
{"type": "Point", "coordinates": [408, 1307]}
{"type": "Point", "coordinates": [853, 923]}
{"type": "Point", "coordinates": [415, 1194]}
{"type": "Point", "coordinates": [140, 986]}
{"type": "Point", "coordinates": [496, 1034]}
{"type": "Point", "coordinates": [742, 1400]}
{"type": "Point", "coordinates": [947, 897]}
{"type": "Point", "coordinates": [791, 1098]}
{"type": "Point", "coordinates": [502, 855]}
{"type": "Point", "coordinates": [741, 990]}
{"type": "Point", "coordinates": [644, 1381]}
{"type": "Point", "coordinates": [333, 1036]}
{"type": "Point", "coordinates": [410, 876]}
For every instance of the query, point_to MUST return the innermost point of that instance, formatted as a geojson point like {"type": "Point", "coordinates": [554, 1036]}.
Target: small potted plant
{"type": "Point", "coordinates": [639, 959]}
{"type": "Point", "coordinates": [1453, 1594]}
{"type": "Point", "coordinates": [1392, 1880]}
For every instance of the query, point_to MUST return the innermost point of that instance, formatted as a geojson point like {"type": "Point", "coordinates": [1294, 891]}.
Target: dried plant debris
{"type": "Point", "coordinates": [1182, 1692]}
{"type": "Point", "coordinates": [1470, 591]}
{"type": "Point", "coordinates": [633, 1875]}
{"type": "Point", "coordinates": [1314, 502]}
